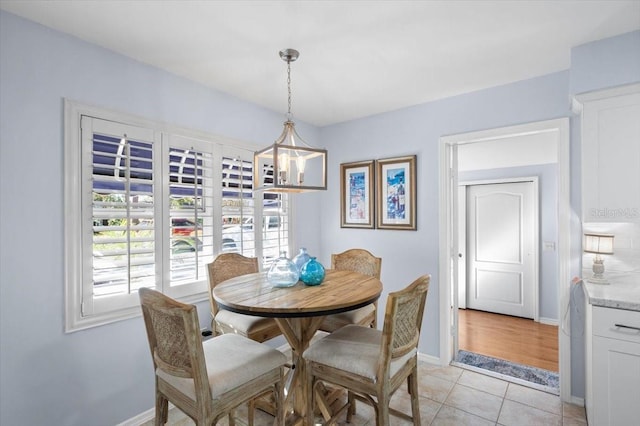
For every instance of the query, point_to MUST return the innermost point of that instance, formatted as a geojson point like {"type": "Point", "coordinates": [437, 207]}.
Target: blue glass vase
{"type": "Point", "coordinates": [312, 272]}
{"type": "Point", "coordinates": [302, 258]}
{"type": "Point", "coordinates": [283, 272]}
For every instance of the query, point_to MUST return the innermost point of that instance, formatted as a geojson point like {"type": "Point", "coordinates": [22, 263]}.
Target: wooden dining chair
{"type": "Point", "coordinates": [224, 267]}
{"type": "Point", "coordinates": [371, 364]}
{"type": "Point", "coordinates": [362, 261]}
{"type": "Point", "coordinates": [206, 380]}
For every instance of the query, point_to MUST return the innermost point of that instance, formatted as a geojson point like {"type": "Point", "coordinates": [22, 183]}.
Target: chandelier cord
{"type": "Point", "coordinates": [289, 89]}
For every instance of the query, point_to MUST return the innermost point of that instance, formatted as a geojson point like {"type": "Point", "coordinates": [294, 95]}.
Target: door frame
{"type": "Point", "coordinates": [448, 238]}
{"type": "Point", "coordinates": [536, 238]}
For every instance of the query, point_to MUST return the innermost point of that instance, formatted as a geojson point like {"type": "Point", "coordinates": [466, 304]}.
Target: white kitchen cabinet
{"type": "Point", "coordinates": [612, 357]}
{"type": "Point", "coordinates": [611, 154]}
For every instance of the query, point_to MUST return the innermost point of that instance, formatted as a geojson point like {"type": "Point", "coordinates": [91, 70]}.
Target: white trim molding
{"type": "Point", "coordinates": [448, 238]}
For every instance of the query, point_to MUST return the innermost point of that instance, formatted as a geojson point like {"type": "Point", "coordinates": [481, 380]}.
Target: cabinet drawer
{"type": "Point", "coordinates": [616, 324]}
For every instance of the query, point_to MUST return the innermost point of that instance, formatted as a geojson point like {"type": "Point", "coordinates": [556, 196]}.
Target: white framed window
{"type": "Point", "coordinates": [151, 206]}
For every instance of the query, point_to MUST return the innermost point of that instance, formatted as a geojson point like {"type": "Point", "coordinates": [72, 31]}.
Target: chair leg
{"type": "Point", "coordinates": [351, 411]}
{"type": "Point", "coordinates": [279, 397]}
{"type": "Point", "coordinates": [415, 399]}
{"type": "Point", "coordinates": [382, 411]}
{"type": "Point", "coordinates": [251, 411]}
{"type": "Point", "coordinates": [311, 406]}
{"type": "Point", "coordinates": [374, 323]}
{"type": "Point", "coordinates": [162, 409]}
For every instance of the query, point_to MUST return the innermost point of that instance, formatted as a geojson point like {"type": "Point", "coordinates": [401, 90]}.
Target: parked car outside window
{"type": "Point", "coordinates": [183, 226]}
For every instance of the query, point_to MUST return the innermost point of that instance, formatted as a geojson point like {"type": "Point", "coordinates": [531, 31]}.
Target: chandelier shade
{"type": "Point", "coordinates": [290, 164]}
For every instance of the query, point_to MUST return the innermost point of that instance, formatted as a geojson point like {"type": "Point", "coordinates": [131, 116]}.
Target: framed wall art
{"type": "Point", "coordinates": [357, 194]}
{"type": "Point", "coordinates": [396, 193]}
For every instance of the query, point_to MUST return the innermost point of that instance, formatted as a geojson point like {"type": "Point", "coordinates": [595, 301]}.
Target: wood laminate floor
{"type": "Point", "coordinates": [514, 339]}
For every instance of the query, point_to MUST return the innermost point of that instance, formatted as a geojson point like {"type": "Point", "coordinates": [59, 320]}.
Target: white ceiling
{"type": "Point", "coordinates": [357, 58]}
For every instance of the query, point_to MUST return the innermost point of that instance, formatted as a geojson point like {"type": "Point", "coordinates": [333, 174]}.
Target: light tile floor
{"type": "Point", "coordinates": [454, 396]}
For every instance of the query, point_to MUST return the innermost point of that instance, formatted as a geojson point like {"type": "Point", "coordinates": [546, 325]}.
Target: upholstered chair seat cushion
{"type": "Point", "coordinates": [356, 316]}
{"type": "Point", "coordinates": [233, 360]}
{"type": "Point", "coordinates": [241, 324]}
{"type": "Point", "coordinates": [355, 349]}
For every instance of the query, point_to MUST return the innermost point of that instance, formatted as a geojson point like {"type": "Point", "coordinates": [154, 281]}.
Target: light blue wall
{"type": "Point", "coordinates": [103, 375]}
{"type": "Point", "coordinates": [548, 229]}
{"type": "Point", "coordinates": [100, 376]}
{"type": "Point", "coordinates": [605, 63]}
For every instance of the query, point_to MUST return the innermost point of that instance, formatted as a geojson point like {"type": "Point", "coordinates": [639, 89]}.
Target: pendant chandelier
{"type": "Point", "coordinates": [290, 164]}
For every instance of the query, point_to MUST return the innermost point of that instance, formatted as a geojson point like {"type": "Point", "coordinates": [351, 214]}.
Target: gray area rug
{"type": "Point", "coordinates": [519, 371]}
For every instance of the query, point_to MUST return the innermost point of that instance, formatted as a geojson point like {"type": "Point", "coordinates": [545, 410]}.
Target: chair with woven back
{"type": "Point", "coordinates": [206, 380]}
{"type": "Point", "coordinates": [371, 364]}
{"type": "Point", "coordinates": [362, 261]}
{"type": "Point", "coordinates": [224, 267]}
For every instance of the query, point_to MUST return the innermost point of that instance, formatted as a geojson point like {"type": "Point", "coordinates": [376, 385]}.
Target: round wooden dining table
{"type": "Point", "coordinates": [298, 310]}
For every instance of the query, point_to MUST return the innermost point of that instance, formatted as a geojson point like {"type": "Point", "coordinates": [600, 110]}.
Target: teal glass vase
{"type": "Point", "coordinates": [302, 258]}
{"type": "Point", "coordinates": [312, 272]}
{"type": "Point", "coordinates": [283, 272]}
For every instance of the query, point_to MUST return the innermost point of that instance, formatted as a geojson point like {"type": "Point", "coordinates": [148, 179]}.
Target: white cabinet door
{"type": "Point", "coordinates": [611, 155]}
{"type": "Point", "coordinates": [616, 379]}
{"type": "Point", "coordinates": [613, 366]}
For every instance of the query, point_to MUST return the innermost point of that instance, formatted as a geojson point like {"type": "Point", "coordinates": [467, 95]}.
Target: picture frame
{"type": "Point", "coordinates": [396, 193]}
{"type": "Point", "coordinates": [357, 194]}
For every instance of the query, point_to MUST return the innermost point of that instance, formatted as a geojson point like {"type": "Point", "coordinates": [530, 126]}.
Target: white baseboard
{"type": "Point", "coordinates": [549, 321]}
{"type": "Point", "coordinates": [430, 359]}
{"type": "Point", "coordinates": [577, 401]}
{"type": "Point", "coordinates": [140, 418]}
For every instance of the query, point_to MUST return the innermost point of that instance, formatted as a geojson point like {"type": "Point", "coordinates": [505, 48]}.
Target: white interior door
{"type": "Point", "coordinates": [501, 248]}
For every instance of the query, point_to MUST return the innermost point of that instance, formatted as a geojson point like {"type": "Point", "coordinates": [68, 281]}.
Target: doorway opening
{"type": "Point", "coordinates": [499, 327]}
{"type": "Point", "coordinates": [494, 152]}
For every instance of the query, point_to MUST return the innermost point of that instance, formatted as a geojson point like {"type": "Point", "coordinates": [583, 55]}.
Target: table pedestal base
{"type": "Point", "coordinates": [298, 332]}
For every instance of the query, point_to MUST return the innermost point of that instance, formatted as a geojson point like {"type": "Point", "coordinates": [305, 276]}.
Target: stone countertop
{"type": "Point", "coordinates": [622, 292]}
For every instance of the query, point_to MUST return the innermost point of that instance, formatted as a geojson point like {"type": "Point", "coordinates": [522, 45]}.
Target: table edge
{"type": "Point", "coordinates": [300, 314]}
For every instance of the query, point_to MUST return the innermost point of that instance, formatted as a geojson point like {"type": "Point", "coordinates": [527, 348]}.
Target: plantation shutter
{"type": "Point", "coordinates": [275, 229]}
{"type": "Point", "coordinates": [238, 209]}
{"type": "Point", "coordinates": [191, 209]}
{"type": "Point", "coordinates": [119, 183]}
